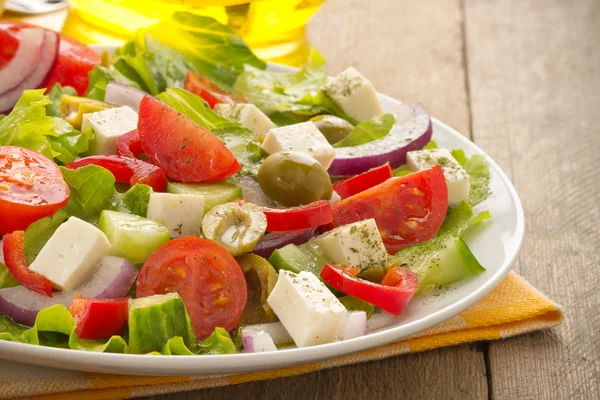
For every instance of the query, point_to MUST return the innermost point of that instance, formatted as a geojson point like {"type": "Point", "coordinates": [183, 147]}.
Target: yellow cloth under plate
{"type": "Point", "coordinates": [513, 308]}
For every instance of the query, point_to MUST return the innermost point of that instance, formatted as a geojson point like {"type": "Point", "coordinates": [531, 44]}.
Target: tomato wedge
{"type": "Point", "coordinates": [206, 276]}
{"type": "Point", "coordinates": [31, 187]}
{"type": "Point", "coordinates": [209, 91]}
{"type": "Point", "coordinates": [292, 219]}
{"type": "Point", "coordinates": [14, 258]}
{"type": "Point", "coordinates": [183, 149]}
{"type": "Point", "coordinates": [130, 145]}
{"type": "Point", "coordinates": [99, 318]}
{"type": "Point", "coordinates": [364, 181]}
{"type": "Point", "coordinates": [127, 170]}
{"type": "Point", "coordinates": [396, 290]}
{"type": "Point", "coordinates": [75, 61]}
{"type": "Point", "coordinates": [408, 209]}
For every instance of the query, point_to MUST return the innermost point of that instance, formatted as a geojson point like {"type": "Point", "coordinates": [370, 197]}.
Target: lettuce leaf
{"type": "Point", "coordinates": [290, 96]}
{"type": "Point", "coordinates": [219, 342]}
{"type": "Point", "coordinates": [211, 48]}
{"type": "Point", "coordinates": [479, 175]}
{"type": "Point", "coordinates": [55, 94]}
{"type": "Point", "coordinates": [69, 142]}
{"type": "Point", "coordinates": [29, 126]}
{"type": "Point", "coordinates": [368, 131]}
{"type": "Point", "coordinates": [134, 201]}
{"type": "Point", "coordinates": [176, 347]}
{"type": "Point", "coordinates": [55, 327]}
{"type": "Point", "coordinates": [7, 280]}
{"type": "Point", "coordinates": [92, 187]}
{"type": "Point", "coordinates": [235, 136]}
{"type": "Point", "coordinates": [460, 218]}
{"type": "Point", "coordinates": [195, 108]}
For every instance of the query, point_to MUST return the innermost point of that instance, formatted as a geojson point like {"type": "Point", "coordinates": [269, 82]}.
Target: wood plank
{"type": "Point", "coordinates": [534, 74]}
{"type": "Point", "coordinates": [412, 51]}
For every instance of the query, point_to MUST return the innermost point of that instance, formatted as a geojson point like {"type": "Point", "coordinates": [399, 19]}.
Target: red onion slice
{"type": "Point", "coordinates": [123, 95]}
{"type": "Point", "coordinates": [412, 131]}
{"type": "Point", "coordinates": [112, 279]}
{"type": "Point", "coordinates": [257, 342]}
{"type": "Point", "coordinates": [353, 325]}
{"type": "Point", "coordinates": [276, 331]}
{"type": "Point", "coordinates": [31, 65]}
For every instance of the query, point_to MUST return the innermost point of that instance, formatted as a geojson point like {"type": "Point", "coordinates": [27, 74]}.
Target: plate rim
{"type": "Point", "coordinates": [246, 362]}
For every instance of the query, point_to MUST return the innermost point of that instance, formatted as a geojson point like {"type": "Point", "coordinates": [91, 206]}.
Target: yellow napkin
{"type": "Point", "coordinates": [513, 308]}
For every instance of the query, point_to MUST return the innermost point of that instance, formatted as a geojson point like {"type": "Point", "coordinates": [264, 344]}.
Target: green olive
{"type": "Point", "coordinates": [261, 278]}
{"type": "Point", "coordinates": [333, 128]}
{"type": "Point", "coordinates": [293, 178]}
{"type": "Point", "coordinates": [237, 227]}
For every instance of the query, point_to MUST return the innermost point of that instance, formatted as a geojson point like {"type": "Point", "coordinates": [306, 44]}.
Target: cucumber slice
{"type": "Point", "coordinates": [305, 257]}
{"type": "Point", "coordinates": [155, 319]}
{"type": "Point", "coordinates": [439, 262]}
{"type": "Point", "coordinates": [132, 236]}
{"type": "Point", "coordinates": [214, 193]}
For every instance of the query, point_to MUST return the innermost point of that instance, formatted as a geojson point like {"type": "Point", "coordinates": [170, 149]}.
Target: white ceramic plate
{"type": "Point", "coordinates": [496, 247]}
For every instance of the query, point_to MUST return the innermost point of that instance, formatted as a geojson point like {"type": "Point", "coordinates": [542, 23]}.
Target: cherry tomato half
{"type": "Point", "coordinates": [31, 187]}
{"type": "Point", "coordinates": [408, 209]}
{"type": "Point", "coordinates": [206, 276]}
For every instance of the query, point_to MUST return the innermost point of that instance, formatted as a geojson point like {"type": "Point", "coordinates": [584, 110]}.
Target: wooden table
{"type": "Point", "coordinates": [522, 79]}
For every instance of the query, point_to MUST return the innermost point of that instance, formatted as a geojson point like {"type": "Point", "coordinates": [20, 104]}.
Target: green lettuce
{"type": "Point", "coordinates": [7, 280]}
{"type": "Point", "coordinates": [479, 175]}
{"type": "Point", "coordinates": [460, 218]}
{"type": "Point", "coordinates": [54, 326]}
{"type": "Point", "coordinates": [176, 347]}
{"type": "Point", "coordinates": [235, 136]}
{"type": "Point", "coordinates": [368, 131]}
{"type": "Point", "coordinates": [134, 201]}
{"type": "Point", "coordinates": [28, 125]}
{"type": "Point", "coordinates": [219, 342]}
{"type": "Point", "coordinates": [211, 48]}
{"type": "Point", "coordinates": [290, 97]}
{"type": "Point", "coordinates": [92, 187]}
{"type": "Point", "coordinates": [55, 94]}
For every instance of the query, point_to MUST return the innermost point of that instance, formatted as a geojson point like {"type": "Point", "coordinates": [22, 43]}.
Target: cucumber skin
{"type": "Point", "coordinates": [450, 263]}
{"type": "Point", "coordinates": [130, 243]}
{"type": "Point", "coordinates": [151, 327]}
{"type": "Point", "coordinates": [214, 193]}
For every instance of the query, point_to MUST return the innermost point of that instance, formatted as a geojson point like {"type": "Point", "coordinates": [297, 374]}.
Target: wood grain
{"type": "Point", "coordinates": [534, 74]}
{"type": "Point", "coordinates": [411, 51]}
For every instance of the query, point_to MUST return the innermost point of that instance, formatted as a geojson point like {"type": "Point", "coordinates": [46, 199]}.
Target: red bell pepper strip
{"type": "Point", "coordinates": [127, 170]}
{"type": "Point", "coordinates": [130, 145]}
{"type": "Point", "coordinates": [311, 215]}
{"type": "Point", "coordinates": [396, 290]}
{"type": "Point", "coordinates": [364, 181]}
{"type": "Point", "coordinates": [99, 318]}
{"type": "Point", "coordinates": [209, 91]}
{"type": "Point", "coordinates": [14, 258]}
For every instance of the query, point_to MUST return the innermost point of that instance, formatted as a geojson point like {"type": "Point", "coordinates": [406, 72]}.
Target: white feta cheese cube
{"type": "Point", "coordinates": [306, 308]}
{"type": "Point", "coordinates": [456, 177]}
{"type": "Point", "coordinates": [354, 94]}
{"type": "Point", "coordinates": [304, 137]}
{"type": "Point", "coordinates": [248, 115]}
{"type": "Point", "coordinates": [180, 213]}
{"type": "Point", "coordinates": [108, 125]}
{"type": "Point", "coordinates": [358, 244]}
{"type": "Point", "coordinates": [72, 254]}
